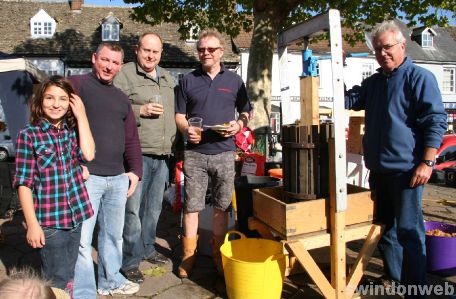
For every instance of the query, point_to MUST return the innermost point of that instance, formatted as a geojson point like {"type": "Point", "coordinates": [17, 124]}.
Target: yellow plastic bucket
{"type": "Point", "coordinates": [254, 268]}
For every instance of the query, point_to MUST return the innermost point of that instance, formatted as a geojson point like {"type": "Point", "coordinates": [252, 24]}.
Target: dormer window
{"type": "Point", "coordinates": [424, 36]}
{"type": "Point", "coordinates": [42, 25]}
{"type": "Point", "coordinates": [192, 32]}
{"type": "Point", "coordinates": [110, 28]}
{"type": "Point", "coordinates": [427, 40]}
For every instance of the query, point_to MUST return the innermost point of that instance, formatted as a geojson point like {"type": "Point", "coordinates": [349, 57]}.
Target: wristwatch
{"type": "Point", "coordinates": [429, 163]}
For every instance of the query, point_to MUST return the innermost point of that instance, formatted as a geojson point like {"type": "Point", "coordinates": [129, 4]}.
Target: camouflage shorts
{"type": "Point", "coordinates": [198, 168]}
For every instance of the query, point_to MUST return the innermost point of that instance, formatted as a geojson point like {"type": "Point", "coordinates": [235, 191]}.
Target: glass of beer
{"type": "Point", "coordinates": [156, 99]}
{"type": "Point", "coordinates": [196, 122]}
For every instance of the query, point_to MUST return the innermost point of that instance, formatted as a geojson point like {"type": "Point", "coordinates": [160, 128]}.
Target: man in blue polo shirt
{"type": "Point", "coordinates": [214, 94]}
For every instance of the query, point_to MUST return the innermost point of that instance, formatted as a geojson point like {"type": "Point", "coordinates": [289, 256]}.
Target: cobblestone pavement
{"type": "Point", "coordinates": [439, 204]}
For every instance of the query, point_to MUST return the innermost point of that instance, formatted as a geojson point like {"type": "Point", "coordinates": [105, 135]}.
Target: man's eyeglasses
{"type": "Point", "coordinates": [209, 49]}
{"type": "Point", "coordinates": [386, 48]}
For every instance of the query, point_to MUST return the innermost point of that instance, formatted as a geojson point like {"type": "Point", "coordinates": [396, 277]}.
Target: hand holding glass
{"type": "Point", "coordinates": [196, 123]}
{"type": "Point", "coordinates": [157, 104]}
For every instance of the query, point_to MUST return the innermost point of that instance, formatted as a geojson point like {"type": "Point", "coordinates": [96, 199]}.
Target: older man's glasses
{"type": "Point", "coordinates": [209, 49]}
{"type": "Point", "coordinates": [385, 48]}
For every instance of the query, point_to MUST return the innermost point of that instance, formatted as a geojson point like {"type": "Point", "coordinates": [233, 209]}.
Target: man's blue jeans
{"type": "Point", "coordinates": [59, 255]}
{"type": "Point", "coordinates": [143, 210]}
{"type": "Point", "coordinates": [108, 196]}
{"type": "Point", "coordinates": [403, 242]}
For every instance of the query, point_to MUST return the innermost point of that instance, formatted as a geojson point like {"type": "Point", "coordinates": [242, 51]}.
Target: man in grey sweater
{"type": "Point", "coordinates": [150, 89]}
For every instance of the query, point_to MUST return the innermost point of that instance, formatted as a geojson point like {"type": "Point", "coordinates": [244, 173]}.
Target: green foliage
{"type": "Point", "coordinates": [225, 15]}
{"type": "Point", "coordinates": [230, 16]}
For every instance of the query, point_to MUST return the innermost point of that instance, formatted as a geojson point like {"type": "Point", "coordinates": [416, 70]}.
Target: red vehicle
{"type": "Point", "coordinates": [446, 154]}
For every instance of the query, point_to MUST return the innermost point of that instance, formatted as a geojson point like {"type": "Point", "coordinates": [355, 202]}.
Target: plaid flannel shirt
{"type": "Point", "coordinates": [47, 162]}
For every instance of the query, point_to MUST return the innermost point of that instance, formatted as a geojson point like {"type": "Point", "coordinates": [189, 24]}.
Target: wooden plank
{"type": "Point", "coordinates": [313, 165]}
{"type": "Point", "coordinates": [307, 28]}
{"type": "Point", "coordinates": [303, 163]}
{"type": "Point", "coordinates": [286, 156]}
{"type": "Point", "coordinates": [312, 268]}
{"type": "Point", "coordinates": [337, 231]}
{"type": "Point", "coordinates": [263, 204]}
{"type": "Point", "coordinates": [362, 259]}
{"type": "Point", "coordinates": [355, 232]}
{"type": "Point", "coordinates": [293, 219]}
{"type": "Point", "coordinates": [293, 161]}
{"type": "Point", "coordinates": [323, 173]}
{"type": "Point", "coordinates": [340, 149]}
{"type": "Point", "coordinates": [310, 102]}
{"type": "Point", "coordinates": [338, 253]}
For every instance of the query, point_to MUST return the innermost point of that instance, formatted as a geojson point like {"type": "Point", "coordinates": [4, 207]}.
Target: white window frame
{"type": "Point", "coordinates": [51, 66]}
{"type": "Point", "coordinates": [427, 39]}
{"type": "Point", "coordinates": [42, 25]}
{"type": "Point", "coordinates": [110, 31]}
{"type": "Point", "coordinates": [449, 80]}
{"type": "Point", "coordinates": [190, 38]}
{"type": "Point", "coordinates": [367, 70]}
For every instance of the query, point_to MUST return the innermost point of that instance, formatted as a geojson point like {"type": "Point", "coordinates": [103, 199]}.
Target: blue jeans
{"type": "Point", "coordinates": [59, 255]}
{"type": "Point", "coordinates": [142, 212]}
{"type": "Point", "coordinates": [108, 196]}
{"type": "Point", "coordinates": [402, 245]}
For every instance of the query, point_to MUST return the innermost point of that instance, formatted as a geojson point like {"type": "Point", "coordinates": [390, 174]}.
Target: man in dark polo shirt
{"type": "Point", "coordinates": [214, 94]}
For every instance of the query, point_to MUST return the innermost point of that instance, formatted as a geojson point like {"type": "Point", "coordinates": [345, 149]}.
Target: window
{"type": "Point", "coordinates": [110, 29]}
{"type": "Point", "coordinates": [448, 80]}
{"type": "Point", "coordinates": [193, 32]}
{"type": "Point", "coordinates": [47, 28]}
{"type": "Point", "coordinates": [110, 32]}
{"type": "Point", "coordinates": [427, 40]}
{"type": "Point", "coordinates": [77, 71]}
{"type": "Point", "coordinates": [42, 25]}
{"type": "Point", "coordinates": [367, 70]}
{"type": "Point", "coordinates": [37, 28]}
{"type": "Point", "coordinates": [51, 66]}
{"type": "Point", "coordinates": [275, 122]}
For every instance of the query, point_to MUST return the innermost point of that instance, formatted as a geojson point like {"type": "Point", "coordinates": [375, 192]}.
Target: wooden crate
{"type": "Point", "coordinates": [291, 220]}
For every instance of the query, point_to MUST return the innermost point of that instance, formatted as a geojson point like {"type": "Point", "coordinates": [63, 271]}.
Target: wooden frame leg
{"type": "Point", "coordinates": [312, 268]}
{"type": "Point", "coordinates": [362, 259]}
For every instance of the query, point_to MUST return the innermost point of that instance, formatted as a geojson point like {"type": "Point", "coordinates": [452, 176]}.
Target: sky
{"type": "Point", "coordinates": [105, 2]}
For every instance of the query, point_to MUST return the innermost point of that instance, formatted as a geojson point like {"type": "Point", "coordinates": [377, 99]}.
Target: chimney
{"type": "Point", "coordinates": [76, 5]}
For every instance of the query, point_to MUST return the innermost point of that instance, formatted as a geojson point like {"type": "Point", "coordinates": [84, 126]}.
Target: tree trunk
{"type": "Point", "coordinates": [259, 69]}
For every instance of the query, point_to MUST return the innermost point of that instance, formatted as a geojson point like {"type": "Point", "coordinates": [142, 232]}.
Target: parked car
{"type": "Point", "coordinates": [446, 154]}
{"type": "Point", "coordinates": [6, 148]}
{"type": "Point", "coordinates": [446, 158]}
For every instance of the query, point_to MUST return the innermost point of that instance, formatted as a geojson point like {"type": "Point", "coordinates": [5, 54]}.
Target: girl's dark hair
{"type": "Point", "coordinates": [36, 107]}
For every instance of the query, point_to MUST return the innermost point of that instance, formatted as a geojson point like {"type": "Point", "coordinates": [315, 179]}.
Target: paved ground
{"type": "Point", "coordinates": [161, 282]}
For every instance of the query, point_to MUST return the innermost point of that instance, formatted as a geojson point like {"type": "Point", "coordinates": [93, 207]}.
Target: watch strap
{"type": "Point", "coordinates": [429, 163]}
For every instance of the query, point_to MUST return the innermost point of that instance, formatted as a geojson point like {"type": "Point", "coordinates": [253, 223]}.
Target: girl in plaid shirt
{"type": "Point", "coordinates": [49, 178]}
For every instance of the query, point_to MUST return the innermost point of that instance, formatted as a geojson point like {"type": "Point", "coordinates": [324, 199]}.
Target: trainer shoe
{"type": "Point", "coordinates": [128, 288]}
{"type": "Point", "coordinates": [133, 275]}
{"type": "Point", "coordinates": [103, 292]}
